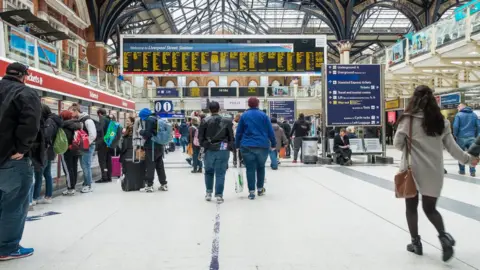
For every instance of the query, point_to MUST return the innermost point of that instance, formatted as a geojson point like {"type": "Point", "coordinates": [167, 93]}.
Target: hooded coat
{"type": "Point", "coordinates": [279, 136]}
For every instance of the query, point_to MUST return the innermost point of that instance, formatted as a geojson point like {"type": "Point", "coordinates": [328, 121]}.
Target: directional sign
{"type": "Point", "coordinates": [283, 109]}
{"type": "Point", "coordinates": [353, 95]}
{"type": "Point", "coordinates": [163, 106]}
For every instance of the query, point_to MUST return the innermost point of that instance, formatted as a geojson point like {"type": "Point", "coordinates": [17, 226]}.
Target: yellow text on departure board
{"type": "Point", "coordinates": [156, 61]}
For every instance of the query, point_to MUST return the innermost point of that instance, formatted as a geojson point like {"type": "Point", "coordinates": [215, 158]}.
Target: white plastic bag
{"type": "Point", "coordinates": [239, 178]}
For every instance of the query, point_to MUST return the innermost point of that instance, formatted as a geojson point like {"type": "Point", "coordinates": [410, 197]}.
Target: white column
{"type": "Point", "coordinates": [344, 47]}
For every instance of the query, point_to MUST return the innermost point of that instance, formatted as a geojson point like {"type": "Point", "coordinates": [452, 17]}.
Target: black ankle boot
{"type": "Point", "coordinates": [448, 243]}
{"type": "Point", "coordinates": [416, 246]}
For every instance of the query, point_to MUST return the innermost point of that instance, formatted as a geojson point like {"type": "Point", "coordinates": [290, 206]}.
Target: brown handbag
{"type": "Point", "coordinates": [404, 183]}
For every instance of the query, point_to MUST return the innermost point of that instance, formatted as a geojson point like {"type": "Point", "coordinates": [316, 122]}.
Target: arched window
{"type": "Point", "coordinates": [211, 83]}
{"type": "Point", "coordinates": [193, 83]}
{"type": "Point", "coordinates": [252, 83]}
{"type": "Point", "coordinates": [170, 84]}
{"type": "Point", "coordinates": [275, 83]}
{"type": "Point", "coordinates": [234, 84]}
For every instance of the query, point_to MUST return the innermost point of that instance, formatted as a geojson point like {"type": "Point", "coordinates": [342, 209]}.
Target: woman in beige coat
{"type": "Point", "coordinates": [431, 133]}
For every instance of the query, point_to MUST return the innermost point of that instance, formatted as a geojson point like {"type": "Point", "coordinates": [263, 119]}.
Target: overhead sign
{"type": "Point", "coordinates": [283, 109]}
{"type": "Point", "coordinates": [234, 104]}
{"type": "Point", "coordinates": [223, 91]}
{"type": "Point", "coordinates": [392, 104]}
{"type": "Point", "coordinates": [251, 91]}
{"type": "Point", "coordinates": [450, 101]}
{"type": "Point", "coordinates": [163, 106]}
{"type": "Point", "coordinates": [167, 92]}
{"type": "Point", "coordinates": [178, 115]}
{"type": "Point", "coordinates": [354, 95]}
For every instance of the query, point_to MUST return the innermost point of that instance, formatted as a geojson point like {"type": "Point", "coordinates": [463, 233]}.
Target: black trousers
{"type": "Point", "coordinates": [154, 162]}
{"type": "Point", "coordinates": [343, 155]}
{"type": "Point", "coordinates": [288, 151]}
{"type": "Point", "coordinates": [70, 168]}
{"type": "Point", "coordinates": [105, 161]}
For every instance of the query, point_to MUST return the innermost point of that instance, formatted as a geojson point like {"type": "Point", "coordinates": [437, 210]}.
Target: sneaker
{"type": "Point", "coordinates": [261, 191]}
{"type": "Point", "coordinates": [294, 161]}
{"type": "Point", "coordinates": [163, 188]}
{"type": "Point", "coordinates": [120, 179]}
{"type": "Point", "coordinates": [472, 174]}
{"type": "Point", "coordinates": [86, 189]}
{"type": "Point", "coordinates": [208, 197]}
{"type": "Point", "coordinates": [461, 172]}
{"type": "Point", "coordinates": [189, 161]}
{"type": "Point", "coordinates": [147, 189]}
{"type": "Point", "coordinates": [69, 192]}
{"type": "Point", "coordinates": [19, 254]}
{"type": "Point", "coordinates": [200, 170]}
{"type": "Point", "coordinates": [220, 199]}
{"type": "Point", "coordinates": [30, 208]}
{"type": "Point", "coordinates": [251, 196]}
{"type": "Point", "coordinates": [45, 201]}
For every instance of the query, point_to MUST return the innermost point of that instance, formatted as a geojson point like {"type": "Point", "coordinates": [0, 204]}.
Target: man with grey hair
{"type": "Point", "coordinates": [20, 114]}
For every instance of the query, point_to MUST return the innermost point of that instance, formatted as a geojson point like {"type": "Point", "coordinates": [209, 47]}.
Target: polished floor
{"type": "Point", "coordinates": [326, 217]}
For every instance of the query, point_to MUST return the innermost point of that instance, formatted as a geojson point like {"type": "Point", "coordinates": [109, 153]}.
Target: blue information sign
{"type": "Point", "coordinates": [283, 109]}
{"type": "Point", "coordinates": [450, 101]}
{"type": "Point", "coordinates": [354, 96]}
{"type": "Point", "coordinates": [163, 106]}
{"type": "Point", "coordinates": [167, 92]}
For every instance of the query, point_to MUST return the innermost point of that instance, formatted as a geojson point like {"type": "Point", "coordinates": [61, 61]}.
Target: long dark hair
{"type": "Point", "coordinates": [424, 101]}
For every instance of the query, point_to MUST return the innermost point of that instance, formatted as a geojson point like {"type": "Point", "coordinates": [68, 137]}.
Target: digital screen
{"type": "Point", "coordinates": [162, 55]}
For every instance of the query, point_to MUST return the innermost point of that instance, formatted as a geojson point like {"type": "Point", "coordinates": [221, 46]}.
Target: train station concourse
{"type": "Point", "coordinates": [332, 81]}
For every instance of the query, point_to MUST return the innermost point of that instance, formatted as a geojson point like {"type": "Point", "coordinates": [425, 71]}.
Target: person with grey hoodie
{"type": "Point", "coordinates": [282, 141]}
{"type": "Point", "coordinates": [430, 134]}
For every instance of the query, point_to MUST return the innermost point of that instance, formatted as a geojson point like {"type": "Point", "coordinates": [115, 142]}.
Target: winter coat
{"type": "Point", "coordinates": [427, 153]}
{"type": "Point", "coordinates": [255, 130]}
{"type": "Point", "coordinates": [52, 124]}
{"type": "Point", "coordinates": [279, 136]}
{"type": "Point", "coordinates": [301, 128]}
{"type": "Point", "coordinates": [465, 124]}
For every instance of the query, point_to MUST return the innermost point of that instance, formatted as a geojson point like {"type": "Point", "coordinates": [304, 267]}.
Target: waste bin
{"type": "Point", "coordinates": [310, 150]}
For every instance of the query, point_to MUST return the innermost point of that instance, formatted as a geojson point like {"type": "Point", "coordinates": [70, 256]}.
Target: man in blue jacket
{"type": "Point", "coordinates": [255, 137]}
{"type": "Point", "coordinates": [184, 135]}
{"type": "Point", "coordinates": [465, 130]}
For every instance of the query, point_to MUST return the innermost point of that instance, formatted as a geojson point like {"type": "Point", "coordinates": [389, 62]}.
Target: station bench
{"type": "Point", "coordinates": [369, 147]}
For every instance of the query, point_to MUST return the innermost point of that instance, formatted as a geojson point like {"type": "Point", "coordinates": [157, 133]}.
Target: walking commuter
{"type": "Point", "coordinates": [236, 154]}
{"type": "Point", "coordinates": [465, 130]}
{"type": "Point", "coordinates": [282, 141]}
{"type": "Point", "coordinates": [52, 123]}
{"type": "Point", "coordinates": [153, 152]}
{"type": "Point", "coordinates": [19, 127]}
{"type": "Point", "coordinates": [69, 159]}
{"type": "Point", "coordinates": [184, 135]}
{"type": "Point", "coordinates": [86, 158]}
{"type": "Point", "coordinates": [288, 129]}
{"type": "Point", "coordinates": [300, 129]}
{"type": "Point", "coordinates": [255, 138]}
{"type": "Point", "coordinates": [195, 142]}
{"type": "Point", "coordinates": [216, 137]}
{"type": "Point", "coordinates": [104, 154]}
{"type": "Point", "coordinates": [341, 147]}
{"type": "Point", "coordinates": [430, 134]}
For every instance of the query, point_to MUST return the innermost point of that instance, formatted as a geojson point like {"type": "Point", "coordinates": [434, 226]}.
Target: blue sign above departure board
{"type": "Point", "coordinates": [167, 92]}
{"type": "Point", "coordinates": [354, 96]}
{"type": "Point", "coordinates": [283, 109]}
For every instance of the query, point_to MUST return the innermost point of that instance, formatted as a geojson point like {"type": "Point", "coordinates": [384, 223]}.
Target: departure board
{"type": "Point", "coordinates": [240, 55]}
{"type": "Point", "coordinates": [243, 62]}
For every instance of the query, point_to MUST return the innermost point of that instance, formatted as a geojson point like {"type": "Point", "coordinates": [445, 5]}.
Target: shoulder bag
{"type": "Point", "coordinates": [404, 183]}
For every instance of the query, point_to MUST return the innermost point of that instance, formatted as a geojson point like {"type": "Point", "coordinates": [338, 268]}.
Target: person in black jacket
{"type": "Point", "coordinates": [70, 158]}
{"type": "Point", "coordinates": [126, 152]}
{"type": "Point", "coordinates": [52, 123]}
{"type": "Point", "coordinates": [20, 113]}
{"type": "Point", "coordinates": [153, 152]}
{"type": "Point", "coordinates": [300, 129]}
{"type": "Point", "coordinates": [287, 129]}
{"type": "Point", "coordinates": [104, 155]}
{"type": "Point", "coordinates": [216, 137]}
{"type": "Point", "coordinates": [341, 146]}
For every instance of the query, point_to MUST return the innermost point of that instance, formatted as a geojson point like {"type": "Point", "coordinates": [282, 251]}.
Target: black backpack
{"type": "Point", "coordinates": [100, 131]}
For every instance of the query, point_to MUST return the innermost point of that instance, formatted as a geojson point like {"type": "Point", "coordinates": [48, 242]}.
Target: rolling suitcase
{"type": "Point", "coordinates": [171, 147]}
{"type": "Point", "coordinates": [133, 179]}
{"type": "Point", "coordinates": [116, 165]}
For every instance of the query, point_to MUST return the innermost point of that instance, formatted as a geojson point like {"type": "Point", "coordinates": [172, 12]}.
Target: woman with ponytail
{"type": "Point", "coordinates": [431, 133]}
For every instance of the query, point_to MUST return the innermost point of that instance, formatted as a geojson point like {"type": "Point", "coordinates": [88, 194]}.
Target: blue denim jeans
{"type": "Point", "coordinates": [465, 143]}
{"type": "Point", "coordinates": [273, 159]}
{"type": "Point", "coordinates": [16, 177]}
{"type": "Point", "coordinates": [254, 159]}
{"type": "Point", "coordinates": [216, 164]}
{"type": "Point", "coordinates": [86, 163]}
{"type": "Point", "coordinates": [196, 163]}
{"type": "Point", "coordinates": [47, 173]}
{"type": "Point", "coordinates": [184, 143]}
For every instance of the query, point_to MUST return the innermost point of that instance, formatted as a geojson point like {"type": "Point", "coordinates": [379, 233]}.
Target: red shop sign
{"type": "Point", "coordinates": [61, 86]}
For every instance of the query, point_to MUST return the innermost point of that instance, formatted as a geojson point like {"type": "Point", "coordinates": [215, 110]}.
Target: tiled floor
{"type": "Point", "coordinates": [311, 218]}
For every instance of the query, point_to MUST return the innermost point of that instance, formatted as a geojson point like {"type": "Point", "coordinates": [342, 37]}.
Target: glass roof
{"type": "Point", "coordinates": [386, 18]}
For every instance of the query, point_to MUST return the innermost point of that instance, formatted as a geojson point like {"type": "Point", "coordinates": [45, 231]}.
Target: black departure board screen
{"type": "Point", "coordinates": [183, 55]}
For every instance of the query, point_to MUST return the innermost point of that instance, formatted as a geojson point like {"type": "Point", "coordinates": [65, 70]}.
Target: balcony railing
{"type": "Point", "coordinates": [461, 25]}
{"type": "Point", "coordinates": [25, 48]}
